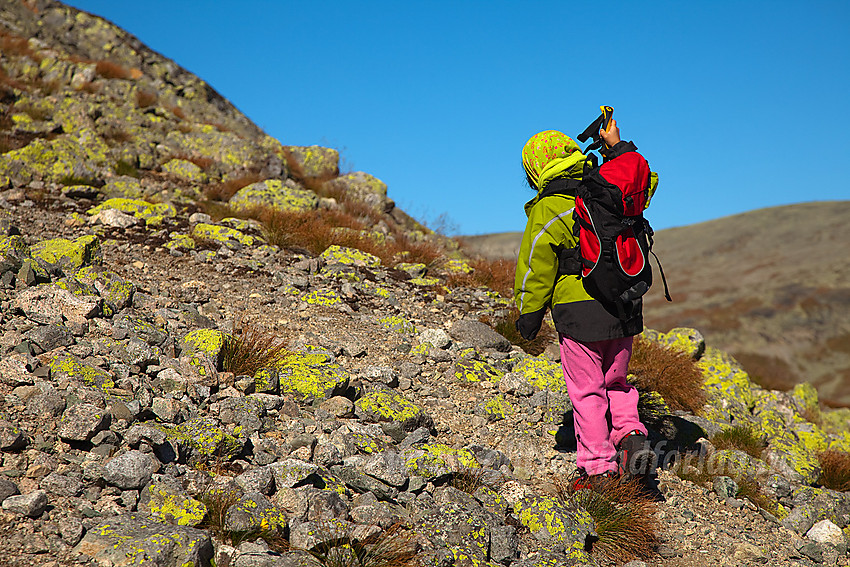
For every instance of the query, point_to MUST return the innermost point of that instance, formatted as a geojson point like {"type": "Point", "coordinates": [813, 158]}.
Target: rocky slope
{"type": "Point", "coordinates": [125, 442]}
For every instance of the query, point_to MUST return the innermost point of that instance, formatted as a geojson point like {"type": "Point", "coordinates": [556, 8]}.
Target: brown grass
{"type": "Point", "coordinates": [90, 87]}
{"type": "Point", "coordinates": [672, 374]}
{"type": "Point", "coordinates": [469, 479]}
{"type": "Point", "coordinates": [226, 189]}
{"type": "Point", "coordinates": [393, 547]}
{"type": "Point", "coordinates": [506, 326]}
{"type": "Point", "coordinates": [835, 470]}
{"type": "Point", "coordinates": [176, 111]}
{"type": "Point", "coordinates": [625, 518]}
{"type": "Point", "coordinates": [14, 45]}
{"type": "Point", "coordinates": [742, 438]}
{"type": "Point", "coordinates": [498, 275]}
{"type": "Point", "coordinates": [249, 349]}
{"type": "Point", "coordinates": [146, 99]}
{"type": "Point", "coordinates": [112, 70]}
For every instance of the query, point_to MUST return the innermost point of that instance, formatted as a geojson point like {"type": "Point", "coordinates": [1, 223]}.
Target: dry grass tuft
{"type": "Point", "coordinates": [218, 502]}
{"type": "Point", "coordinates": [672, 374]}
{"type": "Point", "coordinates": [625, 517]}
{"type": "Point", "coordinates": [201, 161]}
{"type": "Point", "coordinates": [249, 349]}
{"type": "Point", "coordinates": [226, 189]}
{"type": "Point", "coordinates": [393, 547]}
{"type": "Point", "coordinates": [14, 45]}
{"type": "Point", "coordinates": [835, 470]}
{"type": "Point", "coordinates": [112, 70]}
{"type": "Point", "coordinates": [506, 326]}
{"type": "Point", "coordinates": [742, 438]}
{"type": "Point", "coordinates": [146, 99]}
{"type": "Point", "coordinates": [750, 489]}
{"type": "Point", "coordinates": [470, 479]}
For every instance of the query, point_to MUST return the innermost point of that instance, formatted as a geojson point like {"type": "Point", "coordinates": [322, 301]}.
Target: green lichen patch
{"type": "Point", "coordinates": [116, 292]}
{"type": "Point", "coordinates": [68, 255]}
{"type": "Point", "coordinates": [366, 443]}
{"type": "Point", "coordinates": [557, 524]}
{"type": "Point", "coordinates": [495, 409]}
{"type": "Point", "coordinates": [314, 161]}
{"type": "Point", "coordinates": [468, 370]}
{"type": "Point", "coordinates": [731, 393]}
{"type": "Point", "coordinates": [229, 237]}
{"type": "Point", "coordinates": [542, 374]}
{"type": "Point", "coordinates": [180, 242]}
{"type": "Point", "coordinates": [455, 267]}
{"type": "Point", "coordinates": [202, 344]}
{"type": "Point", "coordinates": [335, 254]}
{"type": "Point", "coordinates": [151, 213]}
{"type": "Point", "coordinates": [173, 505]}
{"type": "Point", "coordinates": [424, 281]}
{"type": "Point", "coordinates": [373, 289]}
{"type": "Point", "coordinates": [397, 324]}
{"type": "Point", "coordinates": [311, 376]}
{"type": "Point", "coordinates": [274, 194]}
{"type": "Point", "coordinates": [682, 339]}
{"type": "Point", "coordinates": [436, 460]}
{"type": "Point", "coordinates": [412, 270]}
{"type": "Point", "coordinates": [72, 368]}
{"type": "Point", "coordinates": [389, 405]}
{"type": "Point", "coordinates": [185, 170]}
{"type": "Point", "coordinates": [324, 297]}
{"type": "Point", "coordinates": [50, 160]}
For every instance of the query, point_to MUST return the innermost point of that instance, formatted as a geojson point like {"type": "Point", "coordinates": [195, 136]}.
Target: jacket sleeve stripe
{"type": "Point", "coordinates": [531, 254]}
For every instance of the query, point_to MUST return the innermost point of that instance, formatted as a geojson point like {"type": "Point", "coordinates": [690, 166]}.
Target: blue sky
{"type": "Point", "coordinates": [737, 105]}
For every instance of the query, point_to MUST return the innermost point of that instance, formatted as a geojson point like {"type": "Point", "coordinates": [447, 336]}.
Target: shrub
{"type": "Point", "coordinates": [740, 437]}
{"type": "Point", "coordinates": [672, 374]}
{"type": "Point", "coordinates": [390, 548]}
{"type": "Point", "coordinates": [835, 470]}
{"type": "Point", "coordinates": [249, 349]}
{"type": "Point", "coordinates": [625, 518]}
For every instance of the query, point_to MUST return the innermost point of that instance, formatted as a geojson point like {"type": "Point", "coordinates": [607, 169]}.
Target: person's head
{"type": "Point", "coordinates": [548, 155]}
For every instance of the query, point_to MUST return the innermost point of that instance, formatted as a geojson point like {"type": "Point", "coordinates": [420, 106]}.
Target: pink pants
{"type": "Point", "coordinates": [604, 404]}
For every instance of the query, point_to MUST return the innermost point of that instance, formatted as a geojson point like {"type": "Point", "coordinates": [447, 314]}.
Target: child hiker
{"type": "Point", "coordinates": [595, 343]}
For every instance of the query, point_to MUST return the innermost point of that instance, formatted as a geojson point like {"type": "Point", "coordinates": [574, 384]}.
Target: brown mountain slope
{"type": "Point", "coordinates": [770, 286]}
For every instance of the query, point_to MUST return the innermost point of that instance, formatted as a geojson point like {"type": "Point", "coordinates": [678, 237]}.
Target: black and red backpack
{"type": "Point", "coordinates": [614, 239]}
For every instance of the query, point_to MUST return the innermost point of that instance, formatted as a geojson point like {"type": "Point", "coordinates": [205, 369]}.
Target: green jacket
{"type": "Point", "coordinates": [537, 285]}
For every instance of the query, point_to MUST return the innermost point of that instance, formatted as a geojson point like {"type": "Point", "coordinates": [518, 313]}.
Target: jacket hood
{"type": "Point", "coordinates": [570, 167]}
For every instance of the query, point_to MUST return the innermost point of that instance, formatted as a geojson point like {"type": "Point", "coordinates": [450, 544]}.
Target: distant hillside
{"type": "Point", "coordinates": [770, 286]}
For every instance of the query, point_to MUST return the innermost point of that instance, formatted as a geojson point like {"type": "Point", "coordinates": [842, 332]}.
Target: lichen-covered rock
{"type": "Point", "coordinates": [561, 526]}
{"type": "Point", "coordinates": [49, 160]}
{"type": "Point", "coordinates": [139, 539]}
{"type": "Point", "coordinates": [254, 512]}
{"type": "Point", "coordinates": [397, 324]}
{"type": "Point", "coordinates": [151, 213]}
{"type": "Point", "coordinates": [412, 270]}
{"type": "Point", "coordinates": [461, 534]}
{"type": "Point", "coordinates": [71, 368]}
{"type": "Point", "coordinates": [185, 170]}
{"type": "Point", "coordinates": [274, 194]}
{"type": "Point", "coordinates": [324, 297]}
{"type": "Point", "coordinates": [542, 374]}
{"type": "Point", "coordinates": [365, 188]}
{"type": "Point", "coordinates": [736, 464]}
{"type": "Point", "coordinates": [312, 375]}
{"type": "Point", "coordinates": [166, 500]}
{"type": "Point", "coordinates": [201, 439]}
{"type": "Point", "coordinates": [314, 161]}
{"type": "Point", "coordinates": [468, 370]}
{"type": "Point", "coordinates": [142, 329]}
{"type": "Point", "coordinates": [389, 405]}
{"type": "Point", "coordinates": [454, 266]}
{"type": "Point", "coordinates": [335, 254]}
{"type": "Point", "coordinates": [682, 339]}
{"type": "Point", "coordinates": [222, 235]}
{"type": "Point", "coordinates": [116, 292]}
{"type": "Point", "coordinates": [495, 409]}
{"type": "Point", "coordinates": [435, 461]}
{"type": "Point", "coordinates": [11, 437]}
{"type": "Point", "coordinates": [731, 393]}
{"type": "Point", "coordinates": [61, 254]}
{"type": "Point", "coordinates": [202, 346]}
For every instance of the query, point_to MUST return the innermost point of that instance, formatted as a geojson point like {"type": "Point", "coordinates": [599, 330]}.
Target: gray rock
{"type": "Point", "coordinates": [826, 532]}
{"type": "Point", "coordinates": [71, 530]}
{"type": "Point", "coordinates": [479, 334]}
{"type": "Point", "coordinates": [7, 488]}
{"type": "Point", "coordinates": [143, 433]}
{"type": "Point", "coordinates": [436, 337]}
{"type": "Point", "coordinates": [31, 505]}
{"type": "Point", "coordinates": [49, 337]}
{"type": "Point", "coordinates": [258, 479]}
{"type": "Point", "coordinates": [327, 455]}
{"type": "Point", "coordinates": [387, 467]}
{"type": "Point", "coordinates": [158, 544]}
{"type": "Point", "coordinates": [324, 505]}
{"type": "Point", "coordinates": [310, 534]}
{"type": "Point", "coordinates": [82, 421]}
{"type": "Point", "coordinates": [11, 437]}
{"type": "Point", "coordinates": [515, 383]}
{"type": "Point", "coordinates": [725, 487]}
{"type": "Point", "coordinates": [130, 470]}
{"type": "Point", "coordinates": [62, 485]}
{"type": "Point", "coordinates": [338, 406]}
{"type": "Point", "coordinates": [50, 303]}
{"type": "Point", "coordinates": [115, 218]}
{"type": "Point", "coordinates": [167, 500]}
{"type": "Point", "coordinates": [504, 544]}
{"type": "Point", "coordinates": [289, 472]}
{"type": "Point", "coordinates": [361, 482]}
{"type": "Point", "coordinates": [15, 369]}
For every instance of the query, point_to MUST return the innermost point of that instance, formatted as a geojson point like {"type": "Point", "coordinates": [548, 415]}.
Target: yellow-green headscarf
{"type": "Point", "coordinates": [549, 155]}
